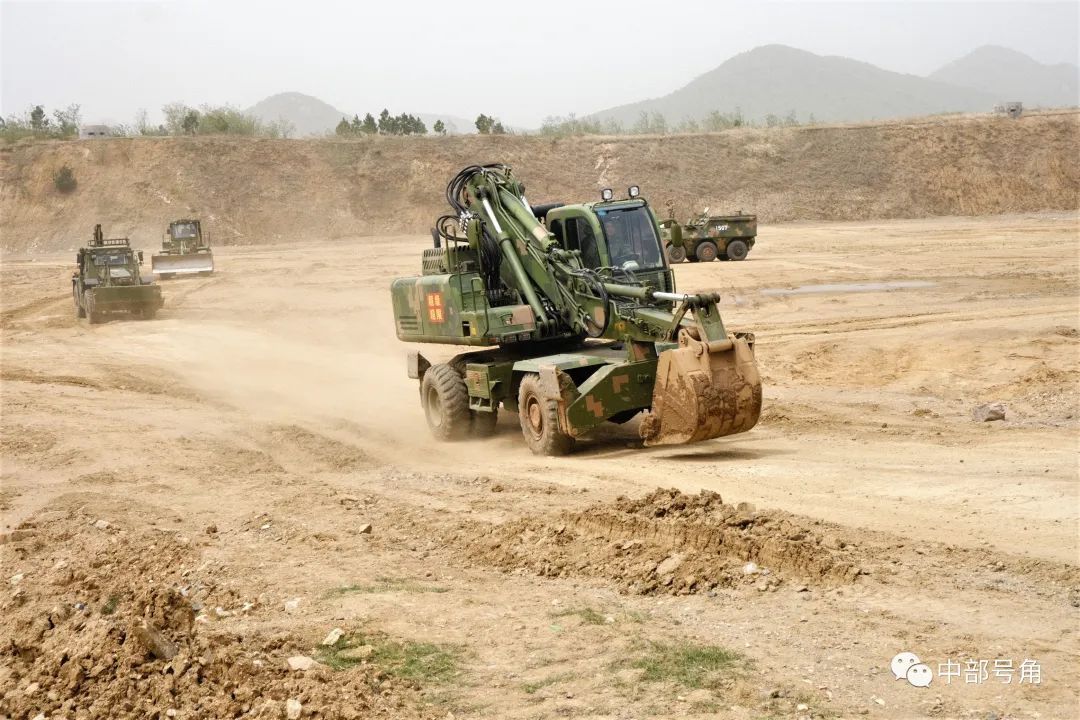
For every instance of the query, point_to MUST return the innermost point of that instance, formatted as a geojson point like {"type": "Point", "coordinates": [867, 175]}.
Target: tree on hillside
{"type": "Point", "coordinates": [654, 123]}
{"type": "Point", "coordinates": [190, 123]}
{"type": "Point", "coordinates": [386, 123]}
{"type": "Point", "coordinates": [721, 121]}
{"type": "Point", "coordinates": [439, 127]}
{"type": "Point", "coordinates": [343, 128]}
{"type": "Point", "coordinates": [67, 121]}
{"type": "Point", "coordinates": [38, 121]}
{"type": "Point", "coordinates": [369, 127]}
{"type": "Point", "coordinates": [497, 128]}
{"type": "Point", "coordinates": [484, 123]}
{"type": "Point", "coordinates": [406, 124]}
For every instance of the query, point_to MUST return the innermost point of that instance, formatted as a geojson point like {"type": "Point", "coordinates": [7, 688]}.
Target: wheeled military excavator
{"type": "Point", "coordinates": [576, 320]}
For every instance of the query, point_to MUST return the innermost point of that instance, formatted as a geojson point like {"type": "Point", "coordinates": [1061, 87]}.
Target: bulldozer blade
{"type": "Point", "coordinates": [182, 264]}
{"type": "Point", "coordinates": [703, 390]}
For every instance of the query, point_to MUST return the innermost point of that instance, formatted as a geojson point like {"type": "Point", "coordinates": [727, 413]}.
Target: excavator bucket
{"type": "Point", "coordinates": [182, 264]}
{"type": "Point", "coordinates": [703, 390]}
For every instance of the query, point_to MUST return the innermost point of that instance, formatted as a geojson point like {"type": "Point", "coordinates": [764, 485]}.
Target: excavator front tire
{"type": "Point", "coordinates": [539, 417]}
{"type": "Point", "coordinates": [446, 402]}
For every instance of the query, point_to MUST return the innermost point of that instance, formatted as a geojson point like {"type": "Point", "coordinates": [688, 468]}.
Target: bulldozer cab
{"type": "Point", "coordinates": [185, 230]}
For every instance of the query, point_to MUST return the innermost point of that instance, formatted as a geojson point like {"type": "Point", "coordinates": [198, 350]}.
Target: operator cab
{"type": "Point", "coordinates": [620, 234]}
{"type": "Point", "coordinates": [184, 230]}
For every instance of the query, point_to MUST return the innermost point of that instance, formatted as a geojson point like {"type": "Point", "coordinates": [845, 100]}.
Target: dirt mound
{"type": "Point", "coordinates": [670, 542]}
{"type": "Point", "coordinates": [108, 624]}
{"type": "Point", "coordinates": [257, 190]}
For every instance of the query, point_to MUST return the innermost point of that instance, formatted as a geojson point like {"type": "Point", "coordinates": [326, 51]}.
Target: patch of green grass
{"type": "Point", "coordinates": [110, 605]}
{"type": "Point", "coordinates": [386, 584]}
{"type": "Point", "coordinates": [591, 616]}
{"type": "Point", "coordinates": [532, 687]}
{"type": "Point", "coordinates": [686, 664]}
{"type": "Point", "coordinates": [422, 662]}
{"type": "Point", "coordinates": [588, 615]}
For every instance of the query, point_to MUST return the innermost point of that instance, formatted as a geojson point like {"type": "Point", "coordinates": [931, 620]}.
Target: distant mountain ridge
{"type": "Point", "coordinates": [1012, 75]}
{"type": "Point", "coordinates": [311, 116]}
{"type": "Point", "coordinates": [777, 80]}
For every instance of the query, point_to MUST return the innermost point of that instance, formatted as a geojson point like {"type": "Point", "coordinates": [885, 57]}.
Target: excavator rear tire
{"type": "Point", "coordinates": [676, 253]}
{"type": "Point", "coordinates": [446, 402]}
{"type": "Point", "coordinates": [539, 418]}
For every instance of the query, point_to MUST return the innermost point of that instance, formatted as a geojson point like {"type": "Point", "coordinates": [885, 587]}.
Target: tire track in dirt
{"type": "Point", "coordinates": [29, 311]}
{"type": "Point", "coordinates": [892, 322]}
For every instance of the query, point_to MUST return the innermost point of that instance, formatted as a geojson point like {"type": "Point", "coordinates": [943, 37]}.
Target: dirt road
{"type": "Point", "coordinates": [241, 442]}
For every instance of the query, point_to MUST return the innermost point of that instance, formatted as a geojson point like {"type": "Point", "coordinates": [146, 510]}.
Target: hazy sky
{"type": "Point", "coordinates": [521, 61]}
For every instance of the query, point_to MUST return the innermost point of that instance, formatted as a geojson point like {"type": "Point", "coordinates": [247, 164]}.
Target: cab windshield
{"type": "Point", "coordinates": [111, 259]}
{"type": "Point", "coordinates": [184, 231]}
{"type": "Point", "coordinates": [631, 238]}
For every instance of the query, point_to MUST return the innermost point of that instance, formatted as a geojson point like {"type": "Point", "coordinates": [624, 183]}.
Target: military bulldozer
{"type": "Point", "coordinates": [574, 319]}
{"type": "Point", "coordinates": [708, 237]}
{"type": "Point", "coordinates": [108, 281]}
{"type": "Point", "coordinates": [184, 251]}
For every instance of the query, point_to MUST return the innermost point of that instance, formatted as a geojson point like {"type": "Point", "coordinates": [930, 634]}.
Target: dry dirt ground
{"type": "Point", "coordinates": [207, 478]}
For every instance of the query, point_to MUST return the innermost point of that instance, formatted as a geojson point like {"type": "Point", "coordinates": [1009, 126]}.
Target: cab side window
{"type": "Point", "coordinates": [589, 251]}
{"type": "Point", "coordinates": [557, 231]}
{"type": "Point", "coordinates": [580, 236]}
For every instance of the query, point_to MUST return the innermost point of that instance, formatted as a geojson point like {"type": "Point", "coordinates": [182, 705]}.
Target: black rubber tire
{"type": "Point", "coordinates": [79, 312]}
{"type": "Point", "coordinates": [94, 318]}
{"type": "Point", "coordinates": [676, 253]}
{"type": "Point", "coordinates": [539, 418]}
{"type": "Point", "coordinates": [736, 250]}
{"type": "Point", "coordinates": [706, 251]}
{"type": "Point", "coordinates": [446, 402]}
{"type": "Point", "coordinates": [691, 257]}
{"type": "Point", "coordinates": [483, 423]}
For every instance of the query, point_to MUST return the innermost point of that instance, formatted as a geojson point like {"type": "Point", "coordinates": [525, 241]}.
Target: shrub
{"type": "Point", "coordinates": [64, 180]}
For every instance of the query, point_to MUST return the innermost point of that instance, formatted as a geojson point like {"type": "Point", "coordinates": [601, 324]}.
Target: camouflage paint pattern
{"type": "Point", "coordinates": [108, 280]}
{"type": "Point", "coordinates": [669, 356]}
{"type": "Point", "coordinates": [183, 255]}
{"type": "Point", "coordinates": [720, 229]}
